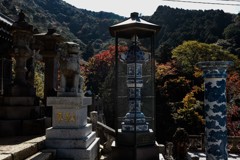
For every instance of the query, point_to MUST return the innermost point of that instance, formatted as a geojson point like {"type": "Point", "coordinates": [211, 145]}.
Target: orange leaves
{"type": "Point", "coordinates": [165, 69]}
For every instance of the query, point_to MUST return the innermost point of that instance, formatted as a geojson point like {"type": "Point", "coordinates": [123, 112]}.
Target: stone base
{"type": "Point", "coordinates": [62, 133]}
{"type": "Point", "coordinates": [22, 127]}
{"type": "Point", "coordinates": [142, 138]}
{"type": "Point", "coordinates": [91, 153]}
{"type": "Point", "coordinates": [68, 94]}
{"type": "Point", "coordinates": [20, 101]}
{"type": "Point", "coordinates": [21, 116]}
{"type": "Point", "coordinates": [150, 152]}
{"type": "Point", "coordinates": [82, 142]}
{"type": "Point", "coordinates": [19, 112]}
{"type": "Point", "coordinates": [18, 90]}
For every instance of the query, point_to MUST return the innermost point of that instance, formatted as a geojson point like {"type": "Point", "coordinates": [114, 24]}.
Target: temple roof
{"type": "Point", "coordinates": [5, 19]}
{"type": "Point", "coordinates": [5, 27]}
{"type": "Point", "coordinates": [133, 26]}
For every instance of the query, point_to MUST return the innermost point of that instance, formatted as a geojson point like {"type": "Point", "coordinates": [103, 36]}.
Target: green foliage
{"type": "Point", "coordinates": [39, 79]}
{"type": "Point", "coordinates": [232, 37]}
{"type": "Point", "coordinates": [163, 53]}
{"type": "Point", "coordinates": [179, 25]}
{"type": "Point", "coordinates": [172, 88]}
{"type": "Point", "coordinates": [89, 52]}
{"type": "Point", "coordinates": [190, 53]}
{"type": "Point", "coordinates": [189, 115]}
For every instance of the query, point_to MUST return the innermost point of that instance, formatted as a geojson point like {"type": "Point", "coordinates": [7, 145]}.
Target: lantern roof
{"type": "Point", "coordinates": [133, 26]}
{"type": "Point", "coordinates": [51, 34]}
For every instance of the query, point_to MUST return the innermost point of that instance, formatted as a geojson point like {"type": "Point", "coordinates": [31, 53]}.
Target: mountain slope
{"type": "Point", "coordinates": [90, 29]}
{"type": "Point", "coordinates": [179, 25]}
{"type": "Point", "coordinates": [75, 24]}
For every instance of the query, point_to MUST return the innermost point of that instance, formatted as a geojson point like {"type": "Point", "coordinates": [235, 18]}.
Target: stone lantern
{"type": "Point", "coordinates": [49, 43]}
{"type": "Point", "coordinates": [134, 87]}
{"type": "Point", "coordinates": [22, 33]}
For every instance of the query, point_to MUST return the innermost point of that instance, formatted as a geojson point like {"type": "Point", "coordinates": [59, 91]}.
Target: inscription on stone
{"type": "Point", "coordinates": [66, 117]}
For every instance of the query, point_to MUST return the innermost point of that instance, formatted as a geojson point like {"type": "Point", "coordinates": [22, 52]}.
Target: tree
{"type": "Point", "coordinates": [98, 68]}
{"type": "Point", "coordinates": [192, 52]}
{"type": "Point", "coordinates": [99, 78]}
{"type": "Point", "coordinates": [189, 115]}
{"type": "Point", "coordinates": [233, 107]}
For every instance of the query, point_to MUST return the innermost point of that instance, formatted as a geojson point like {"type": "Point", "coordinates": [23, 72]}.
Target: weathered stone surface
{"type": "Point", "coordinates": [82, 142]}
{"type": "Point", "coordinates": [69, 117]}
{"type": "Point", "coordinates": [19, 148]}
{"type": "Point", "coordinates": [41, 156]}
{"type": "Point", "coordinates": [142, 138]}
{"type": "Point", "coordinates": [19, 101]}
{"type": "Point", "coordinates": [65, 102]}
{"type": "Point", "coordinates": [87, 101]}
{"type": "Point", "coordinates": [91, 153]}
{"type": "Point", "coordinates": [11, 127]}
{"type": "Point", "coordinates": [5, 156]}
{"type": "Point", "coordinates": [19, 112]}
{"type": "Point", "coordinates": [33, 126]}
{"type": "Point", "coordinates": [149, 152]}
{"type": "Point", "coordinates": [39, 141]}
{"type": "Point", "coordinates": [24, 150]}
{"type": "Point", "coordinates": [71, 102]}
{"type": "Point", "coordinates": [59, 133]}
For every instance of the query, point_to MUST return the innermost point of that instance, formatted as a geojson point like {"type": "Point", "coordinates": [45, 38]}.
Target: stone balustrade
{"type": "Point", "coordinates": [106, 134]}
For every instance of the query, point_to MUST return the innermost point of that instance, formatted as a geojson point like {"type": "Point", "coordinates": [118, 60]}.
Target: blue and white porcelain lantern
{"type": "Point", "coordinates": [134, 82]}
{"type": "Point", "coordinates": [134, 58]}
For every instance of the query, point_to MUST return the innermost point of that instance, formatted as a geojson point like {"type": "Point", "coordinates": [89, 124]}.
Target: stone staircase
{"type": "Point", "coordinates": [25, 148]}
{"type": "Point", "coordinates": [43, 155]}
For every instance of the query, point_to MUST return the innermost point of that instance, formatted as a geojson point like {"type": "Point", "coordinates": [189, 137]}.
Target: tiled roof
{"type": "Point", "coordinates": [6, 19]}
{"type": "Point", "coordinates": [5, 27]}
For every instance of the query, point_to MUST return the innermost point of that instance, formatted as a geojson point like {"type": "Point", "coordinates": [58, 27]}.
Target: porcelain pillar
{"type": "Point", "coordinates": [215, 108]}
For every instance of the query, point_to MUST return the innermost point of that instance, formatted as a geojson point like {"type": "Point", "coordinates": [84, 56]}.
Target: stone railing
{"type": "Point", "coordinates": [106, 134]}
{"type": "Point", "coordinates": [197, 143]}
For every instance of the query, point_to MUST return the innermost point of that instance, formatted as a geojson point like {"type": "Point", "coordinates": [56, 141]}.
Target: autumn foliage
{"type": "Point", "coordinates": [98, 67]}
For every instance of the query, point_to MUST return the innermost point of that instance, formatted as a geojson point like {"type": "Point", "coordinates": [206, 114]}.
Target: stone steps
{"type": "Point", "coordinates": [41, 156]}
{"type": "Point", "coordinates": [46, 154]}
{"type": "Point", "coordinates": [19, 148]}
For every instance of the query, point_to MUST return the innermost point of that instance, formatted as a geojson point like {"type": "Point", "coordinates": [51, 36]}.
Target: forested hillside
{"type": "Point", "coordinates": [90, 29]}
{"type": "Point", "coordinates": [179, 25]}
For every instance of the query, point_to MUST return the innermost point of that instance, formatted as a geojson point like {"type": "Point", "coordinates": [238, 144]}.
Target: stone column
{"type": "Point", "coordinates": [215, 108]}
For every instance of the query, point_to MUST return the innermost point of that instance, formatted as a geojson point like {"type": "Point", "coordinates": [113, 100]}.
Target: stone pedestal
{"type": "Point", "coordinates": [70, 133]}
{"type": "Point", "coordinates": [138, 138]}
{"type": "Point", "coordinates": [150, 152]}
{"type": "Point", "coordinates": [215, 108]}
{"type": "Point", "coordinates": [21, 116]}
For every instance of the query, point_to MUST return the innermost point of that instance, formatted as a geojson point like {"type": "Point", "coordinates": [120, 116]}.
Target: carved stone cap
{"type": "Point", "coordinates": [214, 69]}
{"type": "Point", "coordinates": [72, 47]}
{"type": "Point", "coordinates": [21, 24]}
